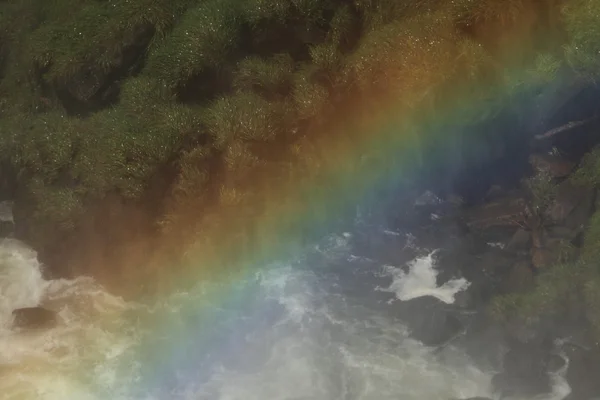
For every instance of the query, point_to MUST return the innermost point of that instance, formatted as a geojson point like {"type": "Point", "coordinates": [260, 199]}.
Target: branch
{"type": "Point", "coordinates": [565, 127]}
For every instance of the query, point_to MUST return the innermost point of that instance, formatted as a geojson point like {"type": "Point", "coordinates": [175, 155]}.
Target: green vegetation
{"type": "Point", "coordinates": [583, 51]}
{"type": "Point", "coordinates": [542, 192]}
{"type": "Point", "coordinates": [566, 288]}
{"type": "Point", "coordinates": [589, 171]}
{"type": "Point", "coordinates": [571, 286]}
{"type": "Point", "coordinates": [208, 111]}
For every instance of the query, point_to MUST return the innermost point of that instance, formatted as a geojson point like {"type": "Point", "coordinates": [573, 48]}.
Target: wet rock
{"type": "Point", "coordinates": [538, 237]}
{"type": "Point", "coordinates": [554, 165]}
{"type": "Point", "coordinates": [34, 318]}
{"type": "Point", "coordinates": [394, 247]}
{"type": "Point", "coordinates": [563, 233]}
{"type": "Point", "coordinates": [508, 211]}
{"type": "Point", "coordinates": [520, 241]}
{"type": "Point", "coordinates": [520, 278]}
{"type": "Point", "coordinates": [495, 193]}
{"type": "Point", "coordinates": [583, 372]}
{"type": "Point", "coordinates": [556, 363]}
{"type": "Point", "coordinates": [429, 320]}
{"type": "Point", "coordinates": [525, 370]}
{"type": "Point", "coordinates": [444, 233]}
{"type": "Point", "coordinates": [553, 251]}
{"type": "Point", "coordinates": [486, 273]}
{"type": "Point", "coordinates": [573, 205]}
{"type": "Point", "coordinates": [7, 229]}
{"type": "Point", "coordinates": [483, 341]}
{"type": "Point", "coordinates": [541, 257]}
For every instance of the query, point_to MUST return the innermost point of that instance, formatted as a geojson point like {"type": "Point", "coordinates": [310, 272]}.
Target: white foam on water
{"type": "Point", "coordinates": [325, 348]}
{"type": "Point", "coordinates": [6, 211]}
{"type": "Point", "coordinates": [421, 280]}
{"type": "Point", "coordinates": [21, 282]}
{"type": "Point", "coordinates": [69, 360]}
{"type": "Point", "coordinates": [560, 387]}
{"type": "Point", "coordinates": [320, 346]}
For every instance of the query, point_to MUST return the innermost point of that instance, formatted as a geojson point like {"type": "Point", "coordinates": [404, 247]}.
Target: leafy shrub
{"type": "Point", "coordinates": [555, 288]}
{"type": "Point", "coordinates": [204, 38]}
{"type": "Point", "coordinates": [589, 171]}
{"type": "Point", "coordinates": [271, 76]}
{"type": "Point", "coordinates": [583, 51]}
{"type": "Point", "coordinates": [244, 116]}
{"type": "Point", "coordinates": [542, 190]}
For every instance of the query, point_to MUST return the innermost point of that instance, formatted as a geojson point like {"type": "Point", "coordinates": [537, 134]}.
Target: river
{"type": "Point", "coordinates": [319, 327]}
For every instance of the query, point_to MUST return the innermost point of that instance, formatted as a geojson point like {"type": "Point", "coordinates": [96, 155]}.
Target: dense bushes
{"type": "Point", "coordinates": [243, 105]}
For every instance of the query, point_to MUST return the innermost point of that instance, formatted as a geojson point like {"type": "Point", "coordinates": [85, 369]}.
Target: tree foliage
{"type": "Point", "coordinates": [583, 50]}
{"type": "Point", "coordinates": [235, 103]}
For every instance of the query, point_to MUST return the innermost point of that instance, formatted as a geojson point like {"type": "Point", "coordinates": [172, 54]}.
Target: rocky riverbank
{"type": "Point", "coordinates": [504, 246]}
{"type": "Point", "coordinates": [131, 134]}
{"type": "Point", "coordinates": [503, 235]}
{"type": "Point", "coordinates": [501, 245]}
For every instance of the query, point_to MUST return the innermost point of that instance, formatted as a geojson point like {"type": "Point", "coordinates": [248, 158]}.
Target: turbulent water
{"type": "Point", "coordinates": [321, 327]}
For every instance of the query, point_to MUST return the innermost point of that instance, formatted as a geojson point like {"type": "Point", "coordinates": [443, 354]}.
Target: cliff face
{"type": "Point", "coordinates": [128, 124]}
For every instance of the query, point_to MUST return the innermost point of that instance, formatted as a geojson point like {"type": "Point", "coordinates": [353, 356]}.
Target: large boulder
{"type": "Point", "coordinates": [552, 164]}
{"type": "Point", "coordinates": [525, 370]}
{"type": "Point", "coordinates": [430, 321]}
{"type": "Point", "coordinates": [34, 318]}
{"type": "Point", "coordinates": [520, 241]}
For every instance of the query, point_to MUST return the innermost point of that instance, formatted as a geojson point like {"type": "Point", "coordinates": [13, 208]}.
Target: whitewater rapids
{"type": "Point", "coordinates": [310, 329]}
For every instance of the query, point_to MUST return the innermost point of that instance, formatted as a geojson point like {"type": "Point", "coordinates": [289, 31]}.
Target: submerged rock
{"type": "Point", "coordinates": [582, 374]}
{"type": "Point", "coordinates": [34, 318]}
{"type": "Point", "coordinates": [525, 369]}
{"type": "Point", "coordinates": [430, 321]}
{"type": "Point", "coordinates": [7, 229]}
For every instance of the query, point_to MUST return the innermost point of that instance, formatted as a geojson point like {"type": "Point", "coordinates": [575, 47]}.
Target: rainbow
{"type": "Point", "coordinates": [375, 145]}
